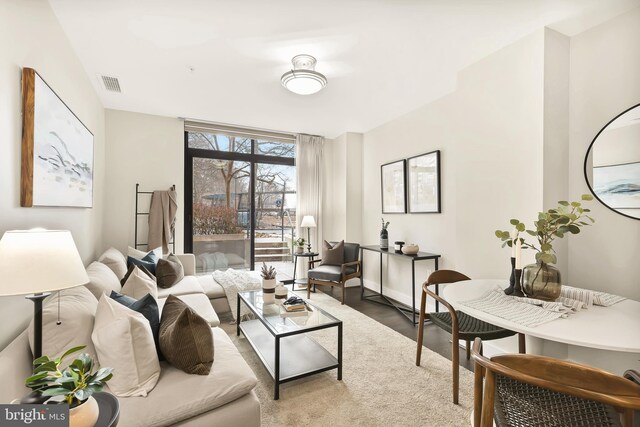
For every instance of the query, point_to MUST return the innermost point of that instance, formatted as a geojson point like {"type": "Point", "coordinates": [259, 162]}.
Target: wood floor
{"type": "Point", "coordinates": [435, 338]}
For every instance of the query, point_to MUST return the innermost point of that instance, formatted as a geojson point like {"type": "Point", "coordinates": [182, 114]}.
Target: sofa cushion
{"type": "Point", "coordinates": [211, 288]}
{"type": "Point", "coordinates": [329, 272]}
{"type": "Point", "coordinates": [200, 304]}
{"type": "Point", "coordinates": [188, 285]}
{"type": "Point", "coordinates": [102, 280]}
{"type": "Point", "coordinates": [332, 254]}
{"type": "Point", "coordinates": [139, 284]}
{"type": "Point", "coordinates": [77, 311]}
{"type": "Point", "coordinates": [114, 259]}
{"type": "Point", "coordinates": [124, 342]}
{"type": "Point", "coordinates": [185, 338]}
{"type": "Point", "coordinates": [148, 307]}
{"type": "Point", "coordinates": [179, 396]}
{"type": "Point", "coordinates": [169, 271]}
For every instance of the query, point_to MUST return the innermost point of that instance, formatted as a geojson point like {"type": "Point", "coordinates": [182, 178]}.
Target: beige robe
{"type": "Point", "coordinates": [162, 219]}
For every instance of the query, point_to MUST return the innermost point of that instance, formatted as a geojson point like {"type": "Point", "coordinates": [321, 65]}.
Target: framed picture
{"type": "Point", "coordinates": [57, 149]}
{"type": "Point", "coordinates": [424, 183]}
{"type": "Point", "coordinates": [394, 199]}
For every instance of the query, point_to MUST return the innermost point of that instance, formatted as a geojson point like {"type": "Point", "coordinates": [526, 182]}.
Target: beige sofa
{"type": "Point", "coordinates": [224, 397]}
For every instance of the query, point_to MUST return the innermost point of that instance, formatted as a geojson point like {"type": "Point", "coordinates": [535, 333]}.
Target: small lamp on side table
{"type": "Point", "coordinates": [38, 262]}
{"type": "Point", "coordinates": [309, 222]}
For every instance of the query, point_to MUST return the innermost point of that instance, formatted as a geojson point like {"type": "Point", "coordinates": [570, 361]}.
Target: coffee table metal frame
{"type": "Point", "coordinates": [292, 354]}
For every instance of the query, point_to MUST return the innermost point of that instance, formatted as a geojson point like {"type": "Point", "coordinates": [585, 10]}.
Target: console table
{"type": "Point", "coordinates": [408, 312]}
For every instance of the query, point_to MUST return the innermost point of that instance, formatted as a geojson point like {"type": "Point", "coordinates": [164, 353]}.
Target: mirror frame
{"type": "Point", "coordinates": [586, 158]}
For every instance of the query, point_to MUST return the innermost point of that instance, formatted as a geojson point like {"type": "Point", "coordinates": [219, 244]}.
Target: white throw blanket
{"type": "Point", "coordinates": [533, 312]}
{"type": "Point", "coordinates": [234, 281]}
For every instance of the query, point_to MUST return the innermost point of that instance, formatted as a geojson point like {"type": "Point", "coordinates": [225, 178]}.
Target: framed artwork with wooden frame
{"type": "Point", "coordinates": [424, 183]}
{"type": "Point", "coordinates": [394, 195]}
{"type": "Point", "coordinates": [57, 149]}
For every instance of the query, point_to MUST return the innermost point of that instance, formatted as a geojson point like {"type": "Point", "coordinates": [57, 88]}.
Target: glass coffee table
{"type": "Point", "coordinates": [283, 344]}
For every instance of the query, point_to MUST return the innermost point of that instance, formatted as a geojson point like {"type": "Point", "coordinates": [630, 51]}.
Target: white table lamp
{"type": "Point", "coordinates": [38, 262]}
{"type": "Point", "coordinates": [309, 222]}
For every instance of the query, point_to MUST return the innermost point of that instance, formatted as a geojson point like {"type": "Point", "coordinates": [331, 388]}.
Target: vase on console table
{"type": "Point", "coordinates": [541, 281]}
{"type": "Point", "coordinates": [384, 236]}
{"type": "Point", "coordinates": [512, 278]}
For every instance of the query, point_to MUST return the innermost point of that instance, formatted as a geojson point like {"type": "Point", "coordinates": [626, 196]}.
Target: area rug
{"type": "Point", "coordinates": [381, 385]}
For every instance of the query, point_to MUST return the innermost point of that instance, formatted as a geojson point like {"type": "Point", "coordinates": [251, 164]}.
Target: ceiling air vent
{"type": "Point", "coordinates": [110, 84]}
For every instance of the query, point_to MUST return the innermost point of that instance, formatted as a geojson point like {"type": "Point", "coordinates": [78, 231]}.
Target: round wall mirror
{"type": "Point", "coordinates": [612, 164]}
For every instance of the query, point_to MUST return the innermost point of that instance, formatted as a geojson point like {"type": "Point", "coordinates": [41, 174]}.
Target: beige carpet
{"type": "Point", "coordinates": [381, 385]}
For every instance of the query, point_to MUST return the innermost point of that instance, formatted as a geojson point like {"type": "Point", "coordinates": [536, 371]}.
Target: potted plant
{"type": "Point", "coordinates": [542, 280]}
{"type": "Point", "coordinates": [299, 243]}
{"type": "Point", "coordinates": [268, 283]}
{"type": "Point", "coordinates": [76, 383]}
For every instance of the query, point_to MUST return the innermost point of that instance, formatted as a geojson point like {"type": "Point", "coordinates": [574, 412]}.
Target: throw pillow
{"type": "Point", "coordinates": [169, 271]}
{"type": "Point", "coordinates": [139, 284]}
{"type": "Point", "coordinates": [130, 270]}
{"type": "Point", "coordinates": [102, 280]}
{"type": "Point", "coordinates": [114, 259]}
{"type": "Point", "coordinates": [124, 341]}
{"type": "Point", "coordinates": [148, 307]}
{"type": "Point", "coordinates": [150, 261]}
{"type": "Point", "coordinates": [186, 340]}
{"type": "Point", "coordinates": [332, 255]}
{"type": "Point", "coordinates": [135, 253]}
{"type": "Point", "coordinates": [77, 310]}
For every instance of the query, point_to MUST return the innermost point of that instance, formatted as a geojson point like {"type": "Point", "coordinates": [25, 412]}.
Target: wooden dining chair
{"type": "Point", "coordinates": [461, 326]}
{"type": "Point", "coordinates": [528, 390]}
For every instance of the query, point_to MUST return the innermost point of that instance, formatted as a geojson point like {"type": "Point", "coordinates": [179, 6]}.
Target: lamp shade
{"type": "Point", "coordinates": [308, 221]}
{"type": "Point", "coordinates": [34, 261]}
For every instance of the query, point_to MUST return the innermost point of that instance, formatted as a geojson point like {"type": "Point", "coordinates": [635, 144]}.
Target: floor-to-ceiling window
{"type": "Point", "coordinates": [240, 197]}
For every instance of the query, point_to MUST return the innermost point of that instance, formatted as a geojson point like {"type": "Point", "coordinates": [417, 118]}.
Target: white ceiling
{"type": "Point", "coordinates": [382, 58]}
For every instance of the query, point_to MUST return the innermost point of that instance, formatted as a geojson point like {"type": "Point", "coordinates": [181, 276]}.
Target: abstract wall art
{"type": "Point", "coordinates": [57, 149]}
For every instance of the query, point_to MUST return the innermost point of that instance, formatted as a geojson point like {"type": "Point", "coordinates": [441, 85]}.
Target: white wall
{"type": "Point", "coordinates": [605, 66]}
{"type": "Point", "coordinates": [490, 133]}
{"type": "Point", "coordinates": [32, 37]}
{"type": "Point", "coordinates": [143, 149]}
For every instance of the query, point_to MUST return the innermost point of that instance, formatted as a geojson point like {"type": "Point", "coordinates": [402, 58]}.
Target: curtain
{"type": "Point", "coordinates": [309, 181]}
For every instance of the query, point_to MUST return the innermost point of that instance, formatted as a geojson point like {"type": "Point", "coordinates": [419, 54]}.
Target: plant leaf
{"type": "Point", "coordinates": [40, 360]}
{"type": "Point", "coordinates": [563, 203]}
{"type": "Point", "coordinates": [55, 391]}
{"type": "Point", "coordinates": [72, 350]}
{"type": "Point", "coordinates": [520, 227]}
{"type": "Point", "coordinates": [587, 197]}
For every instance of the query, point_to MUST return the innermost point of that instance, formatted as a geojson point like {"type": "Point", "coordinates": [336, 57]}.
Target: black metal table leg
{"type": "Point", "coordinates": [340, 351]}
{"type": "Point", "coordinates": [276, 392]}
{"type": "Point", "coordinates": [413, 290]}
{"type": "Point", "coordinates": [361, 273]}
{"type": "Point", "coordinates": [381, 274]}
{"type": "Point", "coordinates": [435, 261]}
{"type": "Point", "coordinates": [238, 317]}
{"type": "Point", "coordinates": [295, 265]}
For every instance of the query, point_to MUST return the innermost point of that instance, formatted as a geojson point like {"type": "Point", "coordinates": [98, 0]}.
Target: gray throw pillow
{"type": "Point", "coordinates": [169, 271]}
{"type": "Point", "coordinates": [332, 255]}
{"type": "Point", "coordinates": [186, 340]}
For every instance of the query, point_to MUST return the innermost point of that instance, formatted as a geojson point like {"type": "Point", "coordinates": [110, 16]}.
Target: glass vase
{"type": "Point", "coordinates": [541, 281]}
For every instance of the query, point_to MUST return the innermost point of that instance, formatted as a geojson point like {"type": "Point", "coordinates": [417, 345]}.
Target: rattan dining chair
{"type": "Point", "coordinates": [522, 390]}
{"type": "Point", "coordinates": [461, 326]}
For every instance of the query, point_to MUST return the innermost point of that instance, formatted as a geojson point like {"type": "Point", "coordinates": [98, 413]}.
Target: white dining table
{"type": "Point", "coordinates": [613, 328]}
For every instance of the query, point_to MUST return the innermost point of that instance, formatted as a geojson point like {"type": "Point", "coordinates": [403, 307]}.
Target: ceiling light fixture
{"type": "Point", "coordinates": [303, 79]}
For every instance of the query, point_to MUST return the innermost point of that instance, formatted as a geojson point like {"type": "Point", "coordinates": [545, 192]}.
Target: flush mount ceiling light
{"type": "Point", "coordinates": [303, 79]}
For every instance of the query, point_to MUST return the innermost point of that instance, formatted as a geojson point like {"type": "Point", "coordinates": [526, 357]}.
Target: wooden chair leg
{"type": "Point", "coordinates": [423, 303]}
{"type": "Point", "coordinates": [309, 289]}
{"type": "Point", "coordinates": [455, 365]}
{"type": "Point", "coordinates": [468, 350]}
{"type": "Point", "coordinates": [522, 345]}
{"type": "Point", "coordinates": [344, 288]}
{"type": "Point", "coordinates": [477, 394]}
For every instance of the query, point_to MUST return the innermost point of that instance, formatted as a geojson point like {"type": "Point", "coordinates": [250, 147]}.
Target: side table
{"type": "Point", "coordinates": [302, 281]}
{"type": "Point", "coordinates": [109, 409]}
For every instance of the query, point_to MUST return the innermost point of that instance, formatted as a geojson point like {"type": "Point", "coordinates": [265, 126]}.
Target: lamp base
{"type": "Point", "coordinates": [37, 321]}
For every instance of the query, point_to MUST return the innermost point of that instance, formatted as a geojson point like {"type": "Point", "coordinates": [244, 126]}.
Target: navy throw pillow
{"type": "Point", "coordinates": [148, 307]}
{"type": "Point", "coordinates": [149, 261]}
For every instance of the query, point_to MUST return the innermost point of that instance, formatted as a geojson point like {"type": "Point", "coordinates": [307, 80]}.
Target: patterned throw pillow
{"type": "Point", "coordinates": [186, 340]}
{"type": "Point", "coordinates": [332, 255]}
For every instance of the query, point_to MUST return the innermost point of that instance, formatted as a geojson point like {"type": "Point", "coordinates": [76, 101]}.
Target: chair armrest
{"type": "Point", "coordinates": [454, 316]}
{"type": "Point", "coordinates": [188, 263]}
{"type": "Point", "coordinates": [349, 264]}
{"type": "Point", "coordinates": [314, 261]}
